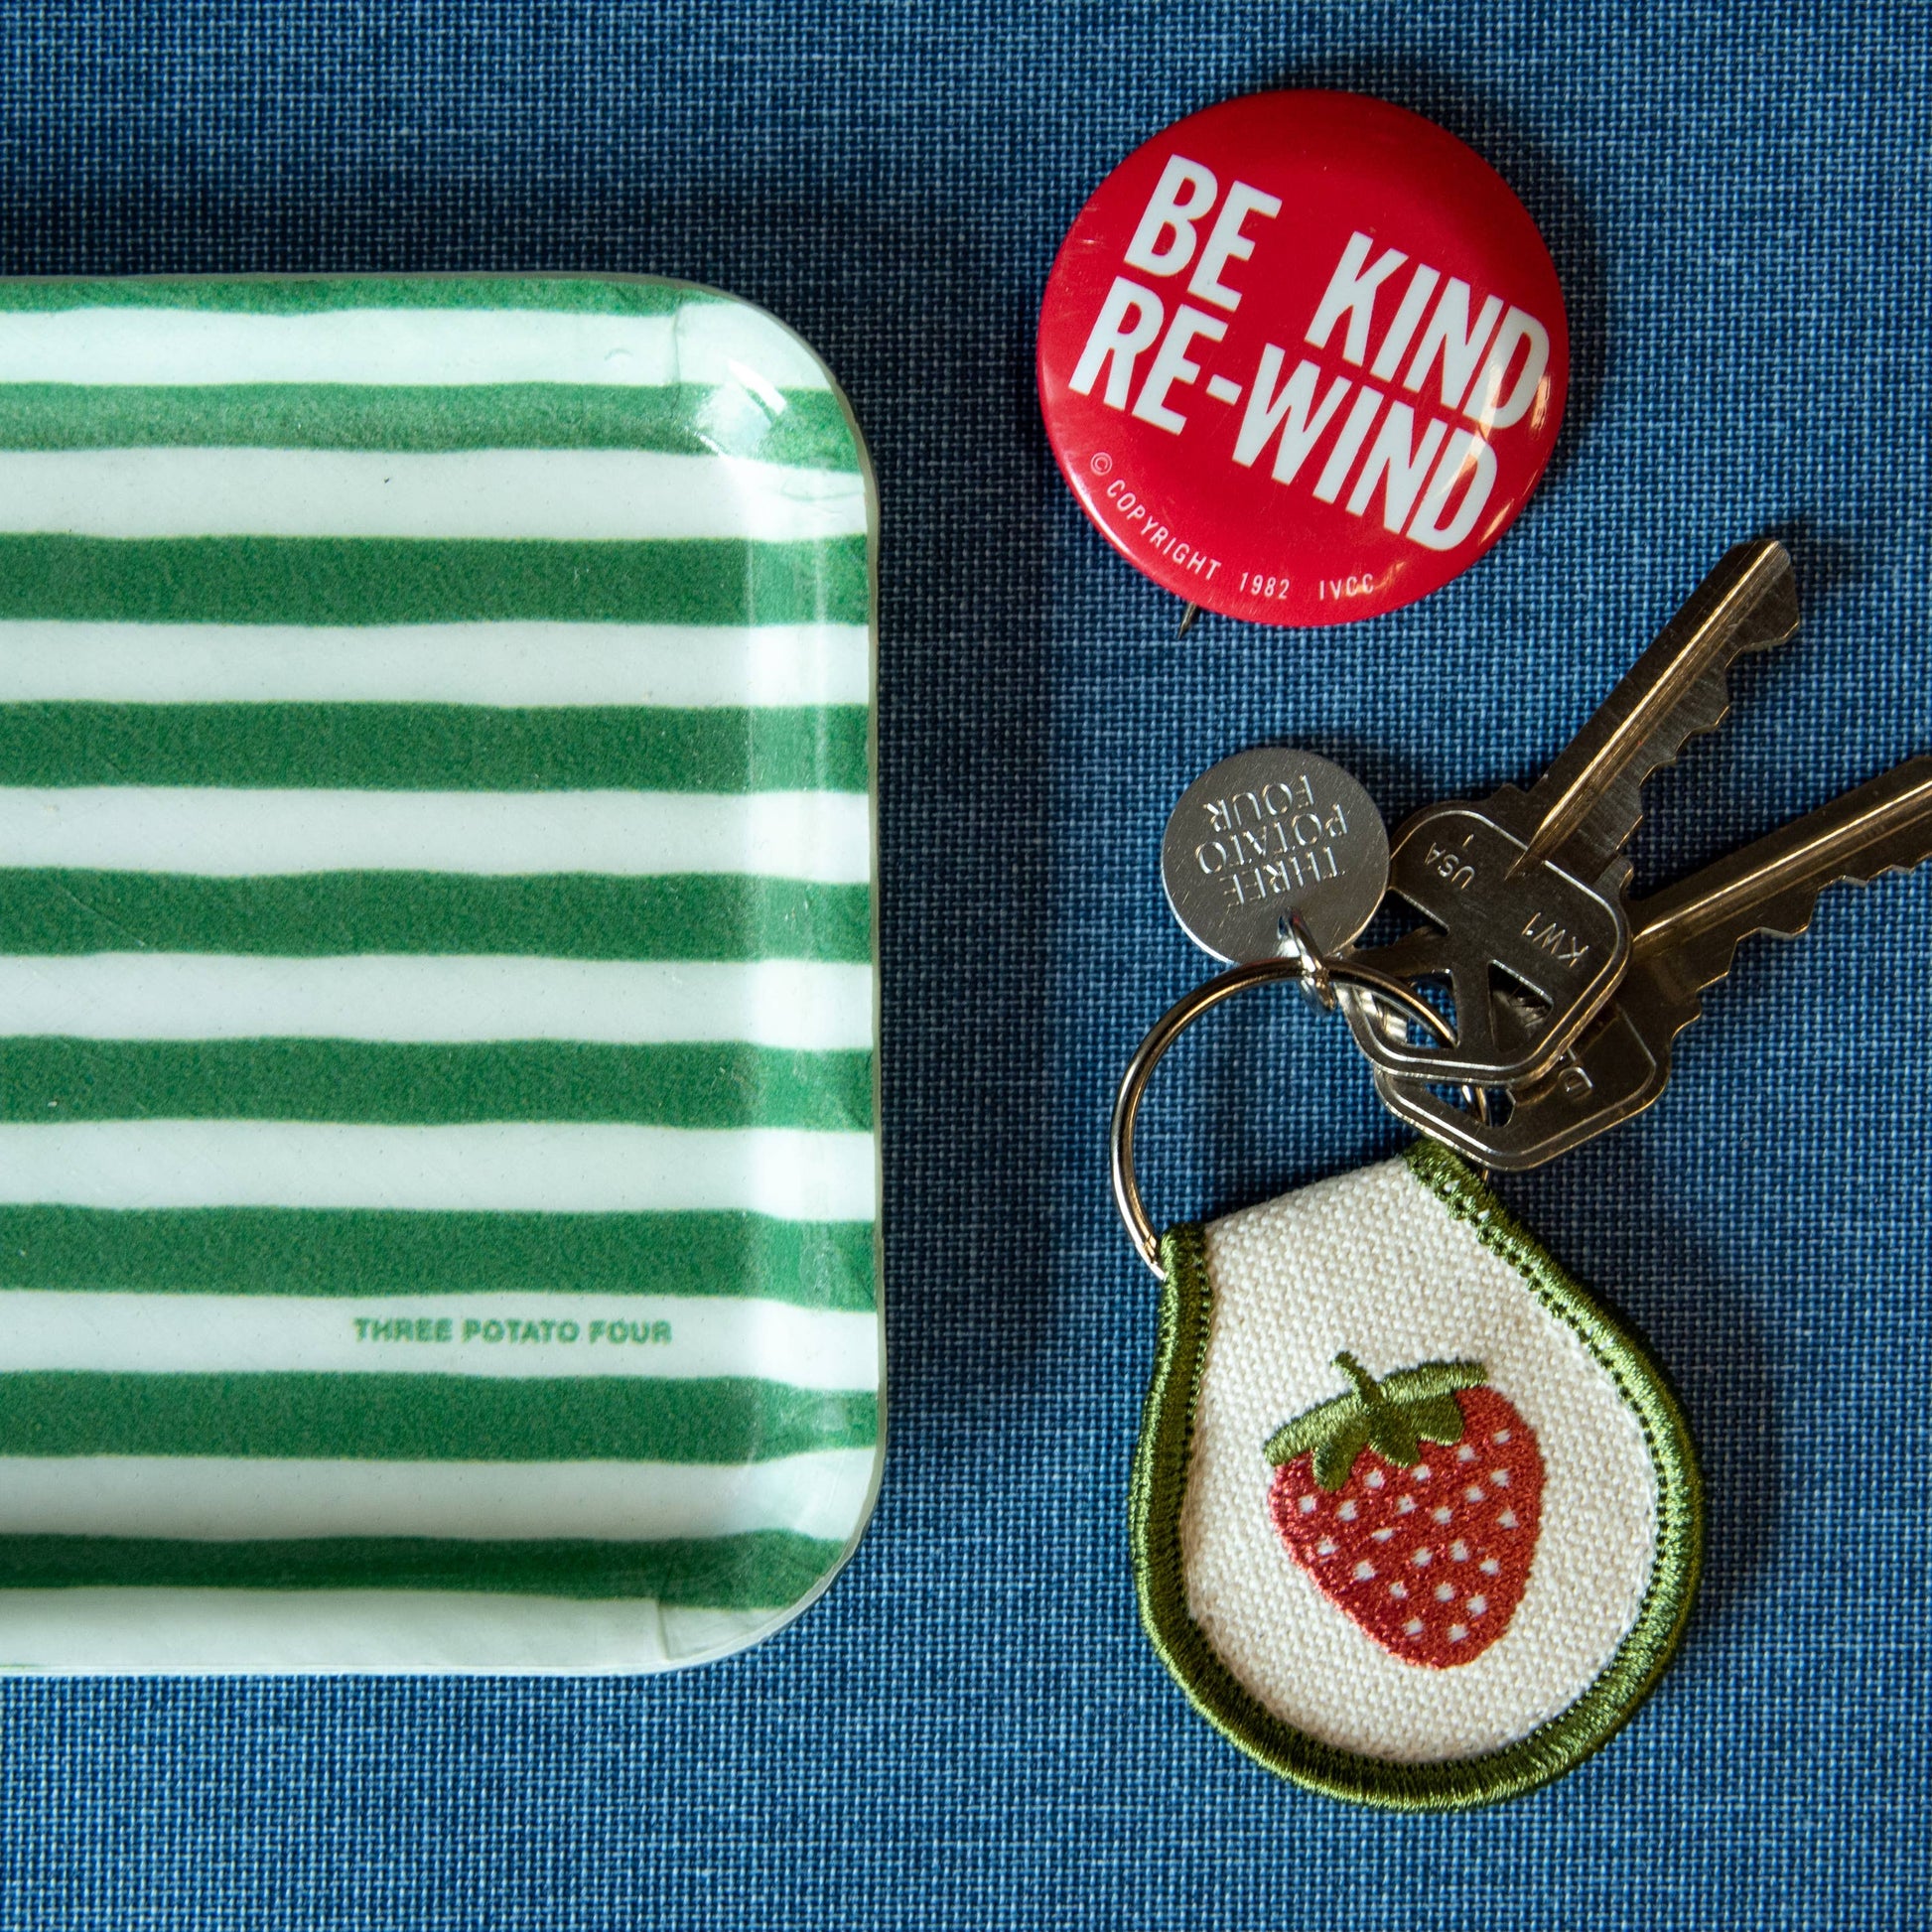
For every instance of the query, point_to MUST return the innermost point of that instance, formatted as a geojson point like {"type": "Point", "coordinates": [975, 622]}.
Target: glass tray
{"type": "Point", "coordinates": [438, 1172]}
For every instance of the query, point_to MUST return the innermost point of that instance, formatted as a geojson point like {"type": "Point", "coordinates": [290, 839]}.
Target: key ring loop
{"type": "Point", "coordinates": [1189, 1008]}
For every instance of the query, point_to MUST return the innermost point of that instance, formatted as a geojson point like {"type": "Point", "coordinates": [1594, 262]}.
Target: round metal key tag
{"type": "Point", "coordinates": [1268, 833]}
{"type": "Point", "coordinates": [1302, 358]}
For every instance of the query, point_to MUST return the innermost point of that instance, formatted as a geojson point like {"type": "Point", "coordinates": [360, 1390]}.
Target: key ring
{"type": "Point", "coordinates": [1188, 1008]}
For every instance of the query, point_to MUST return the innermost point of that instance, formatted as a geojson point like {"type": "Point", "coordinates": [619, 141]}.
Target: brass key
{"type": "Point", "coordinates": [1682, 940]}
{"type": "Point", "coordinates": [1524, 890]}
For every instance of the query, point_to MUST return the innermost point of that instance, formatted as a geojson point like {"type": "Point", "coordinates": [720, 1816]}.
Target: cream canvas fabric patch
{"type": "Point", "coordinates": [1415, 1522]}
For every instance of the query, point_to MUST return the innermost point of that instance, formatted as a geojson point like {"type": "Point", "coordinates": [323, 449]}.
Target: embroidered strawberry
{"type": "Point", "coordinates": [1413, 1503]}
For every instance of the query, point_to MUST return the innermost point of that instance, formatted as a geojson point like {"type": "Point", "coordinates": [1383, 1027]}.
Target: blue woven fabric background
{"type": "Point", "coordinates": [969, 1730]}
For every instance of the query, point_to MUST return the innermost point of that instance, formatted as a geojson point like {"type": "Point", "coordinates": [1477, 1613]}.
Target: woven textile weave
{"type": "Point", "coordinates": [969, 1730]}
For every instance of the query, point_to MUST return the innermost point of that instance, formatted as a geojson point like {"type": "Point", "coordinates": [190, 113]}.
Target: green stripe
{"type": "Point", "coordinates": [567, 916]}
{"type": "Point", "coordinates": [428, 1418]}
{"type": "Point", "coordinates": [285, 295]}
{"type": "Point", "coordinates": [720, 1084]}
{"type": "Point", "coordinates": [437, 747]}
{"type": "Point", "coordinates": [368, 1252]}
{"type": "Point", "coordinates": [386, 580]}
{"type": "Point", "coordinates": [763, 1569]}
{"type": "Point", "coordinates": [680, 419]}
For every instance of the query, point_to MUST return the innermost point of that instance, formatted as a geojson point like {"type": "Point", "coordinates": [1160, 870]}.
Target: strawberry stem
{"type": "Point", "coordinates": [1392, 1417]}
{"type": "Point", "coordinates": [1366, 1385]}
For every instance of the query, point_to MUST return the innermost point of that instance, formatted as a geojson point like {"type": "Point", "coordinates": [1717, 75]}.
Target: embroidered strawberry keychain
{"type": "Point", "coordinates": [1416, 1521]}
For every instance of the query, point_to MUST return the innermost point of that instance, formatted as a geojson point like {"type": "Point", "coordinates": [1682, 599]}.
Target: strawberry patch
{"type": "Point", "coordinates": [1413, 1503]}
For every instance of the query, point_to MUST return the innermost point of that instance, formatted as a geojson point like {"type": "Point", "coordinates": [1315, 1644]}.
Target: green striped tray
{"type": "Point", "coordinates": [437, 1164]}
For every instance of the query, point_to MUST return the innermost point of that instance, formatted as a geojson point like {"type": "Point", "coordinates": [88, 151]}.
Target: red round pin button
{"type": "Point", "coordinates": [1302, 358]}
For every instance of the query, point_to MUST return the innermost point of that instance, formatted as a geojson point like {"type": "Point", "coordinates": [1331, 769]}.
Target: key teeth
{"type": "Point", "coordinates": [1700, 965]}
{"type": "Point", "coordinates": [1621, 808]}
{"type": "Point", "coordinates": [1705, 708]}
{"type": "Point", "coordinates": [1774, 620]}
{"type": "Point", "coordinates": [1790, 917]}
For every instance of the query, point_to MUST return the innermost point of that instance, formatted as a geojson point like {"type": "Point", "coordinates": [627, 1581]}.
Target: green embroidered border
{"type": "Point", "coordinates": [1160, 1481]}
